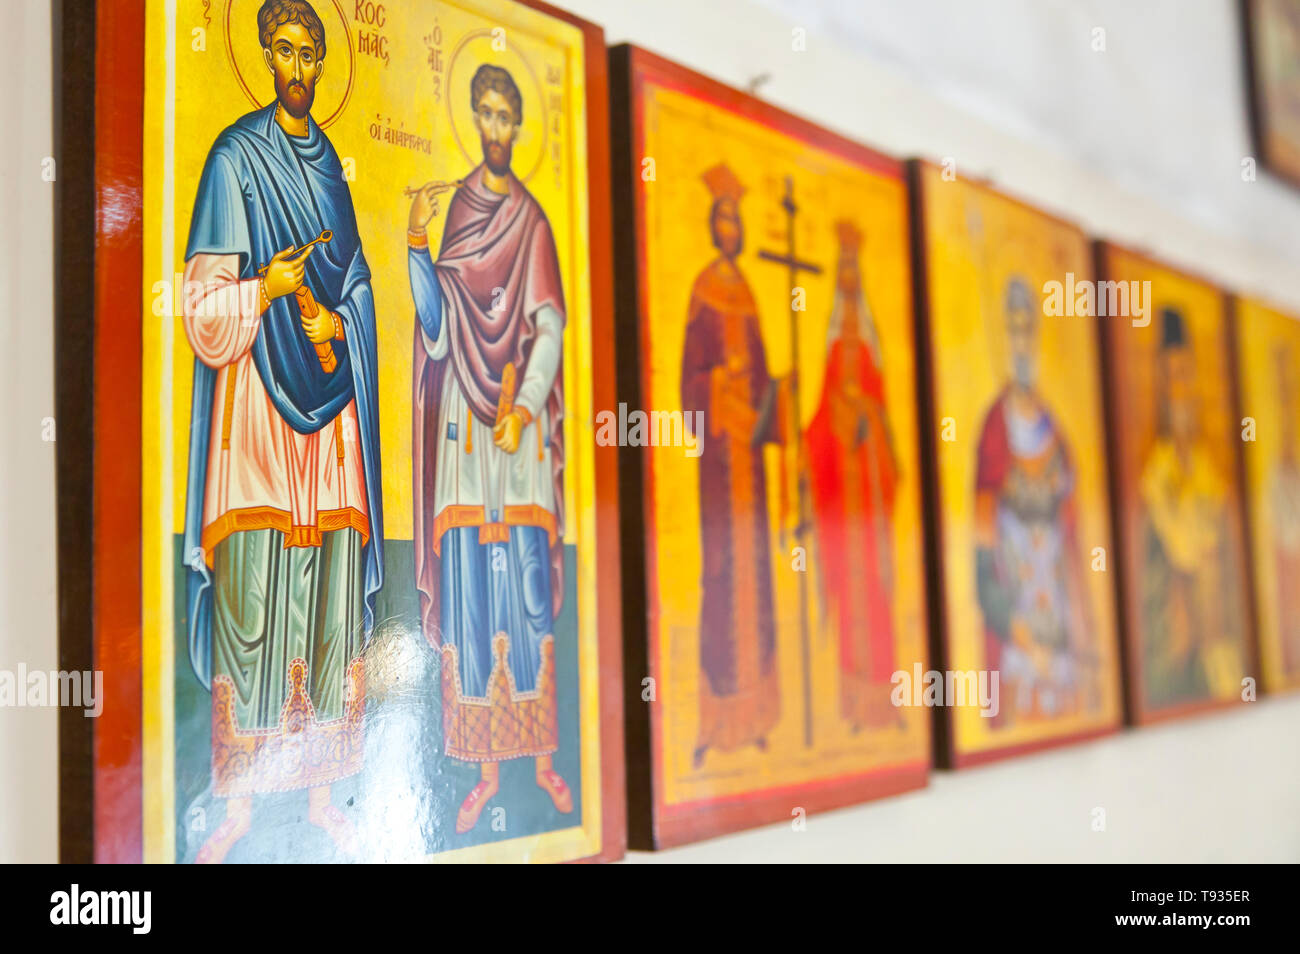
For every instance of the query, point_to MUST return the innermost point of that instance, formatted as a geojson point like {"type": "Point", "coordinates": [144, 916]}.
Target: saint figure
{"type": "Point", "coordinates": [725, 376]}
{"type": "Point", "coordinates": [853, 476]}
{"type": "Point", "coordinates": [1189, 599]}
{"type": "Point", "coordinates": [489, 457]}
{"type": "Point", "coordinates": [283, 519]}
{"type": "Point", "coordinates": [1028, 562]}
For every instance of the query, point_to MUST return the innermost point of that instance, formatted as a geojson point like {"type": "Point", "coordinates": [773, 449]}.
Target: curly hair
{"type": "Point", "coordinates": [488, 77]}
{"type": "Point", "coordinates": [276, 13]}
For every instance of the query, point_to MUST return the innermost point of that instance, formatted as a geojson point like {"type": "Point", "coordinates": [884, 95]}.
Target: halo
{"type": "Point", "coordinates": [247, 59]}
{"type": "Point", "coordinates": [473, 50]}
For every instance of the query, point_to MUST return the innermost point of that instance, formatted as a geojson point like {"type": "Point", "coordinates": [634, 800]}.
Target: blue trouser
{"type": "Point", "coordinates": [491, 588]}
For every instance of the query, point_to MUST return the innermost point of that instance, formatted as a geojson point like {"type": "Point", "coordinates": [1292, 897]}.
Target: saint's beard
{"type": "Point", "coordinates": [497, 156]}
{"type": "Point", "coordinates": [295, 96]}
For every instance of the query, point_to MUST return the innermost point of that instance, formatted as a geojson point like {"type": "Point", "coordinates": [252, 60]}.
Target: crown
{"type": "Point", "coordinates": [722, 182]}
{"type": "Point", "coordinates": [850, 236]}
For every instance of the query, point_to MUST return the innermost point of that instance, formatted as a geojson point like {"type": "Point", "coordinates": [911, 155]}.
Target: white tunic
{"type": "Point", "coordinates": [478, 483]}
{"type": "Point", "coordinates": [261, 472]}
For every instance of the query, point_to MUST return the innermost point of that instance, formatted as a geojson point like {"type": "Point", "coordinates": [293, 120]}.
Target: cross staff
{"type": "Point", "coordinates": [794, 265]}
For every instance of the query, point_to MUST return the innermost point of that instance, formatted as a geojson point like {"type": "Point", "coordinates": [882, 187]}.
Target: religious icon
{"type": "Point", "coordinates": [1272, 32]}
{"type": "Point", "coordinates": [380, 596]}
{"type": "Point", "coordinates": [283, 545]}
{"type": "Point", "coordinates": [1268, 349]}
{"type": "Point", "coordinates": [780, 591]}
{"type": "Point", "coordinates": [1183, 558]}
{"type": "Point", "coordinates": [1024, 522]}
{"type": "Point", "coordinates": [489, 512]}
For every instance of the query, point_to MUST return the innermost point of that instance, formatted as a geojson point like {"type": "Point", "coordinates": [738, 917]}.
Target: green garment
{"type": "Point", "coordinates": [272, 604]}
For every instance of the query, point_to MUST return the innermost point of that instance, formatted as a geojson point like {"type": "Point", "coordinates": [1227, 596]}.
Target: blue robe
{"type": "Point", "coordinates": [263, 191]}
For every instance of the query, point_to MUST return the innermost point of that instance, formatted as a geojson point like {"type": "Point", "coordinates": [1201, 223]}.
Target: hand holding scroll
{"type": "Point", "coordinates": [315, 320]}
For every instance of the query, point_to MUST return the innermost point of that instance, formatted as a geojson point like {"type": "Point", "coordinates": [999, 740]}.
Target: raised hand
{"type": "Point", "coordinates": [284, 272]}
{"type": "Point", "coordinates": [425, 205]}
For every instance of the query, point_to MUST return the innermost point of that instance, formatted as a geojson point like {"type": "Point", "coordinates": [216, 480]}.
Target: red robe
{"type": "Point", "coordinates": [854, 479]}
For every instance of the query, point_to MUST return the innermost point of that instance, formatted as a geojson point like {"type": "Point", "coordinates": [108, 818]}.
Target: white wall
{"type": "Point", "coordinates": [28, 737]}
{"type": "Point", "coordinates": [1142, 143]}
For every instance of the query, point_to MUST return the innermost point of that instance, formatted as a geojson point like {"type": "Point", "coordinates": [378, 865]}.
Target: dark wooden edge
{"type": "Point", "coordinates": [1253, 661]}
{"type": "Point", "coordinates": [1119, 563]}
{"type": "Point", "coordinates": [1136, 710]}
{"type": "Point", "coordinates": [947, 754]}
{"type": "Point", "coordinates": [651, 823]}
{"type": "Point", "coordinates": [636, 713]}
{"type": "Point", "coordinates": [944, 736]}
{"type": "Point", "coordinates": [73, 59]}
{"type": "Point", "coordinates": [604, 390]}
{"type": "Point", "coordinates": [1254, 100]}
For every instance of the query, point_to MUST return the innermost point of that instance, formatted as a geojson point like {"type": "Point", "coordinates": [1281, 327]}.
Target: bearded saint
{"type": "Point", "coordinates": [283, 520]}
{"type": "Point", "coordinates": [489, 457]}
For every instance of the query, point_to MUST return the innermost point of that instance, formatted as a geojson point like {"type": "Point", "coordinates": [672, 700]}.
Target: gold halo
{"type": "Point", "coordinates": [475, 49]}
{"type": "Point", "coordinates": [246, 60]}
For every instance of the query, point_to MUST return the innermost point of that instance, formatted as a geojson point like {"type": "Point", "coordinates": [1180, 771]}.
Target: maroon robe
{"type": "Point", "coordinates": [739, 691]}
{"type": "Point", "coordinates": [496, 251]}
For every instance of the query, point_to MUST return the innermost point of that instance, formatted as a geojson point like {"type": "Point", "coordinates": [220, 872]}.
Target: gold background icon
{"type": "Point", "coordinates": [975, 241]}
{"type": "Point", "coordinates": [393, 134]}
{"type": "Point", "coordinates": [688, 136]}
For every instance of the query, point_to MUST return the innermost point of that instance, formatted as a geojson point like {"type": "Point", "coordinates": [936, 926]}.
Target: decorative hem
{"type": "Point", "coordinates": [272, 518]}
{"type": "Point", "coordinates": [742, 718]}
{"type": "Point", "coordinates": [866, 703]}
{"type": "Point", "coordinates": [505, 723]}
{"type": "Point", "coordinates": [298, 753]}
{"type": "Point", "coordinates": [472, 515]}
